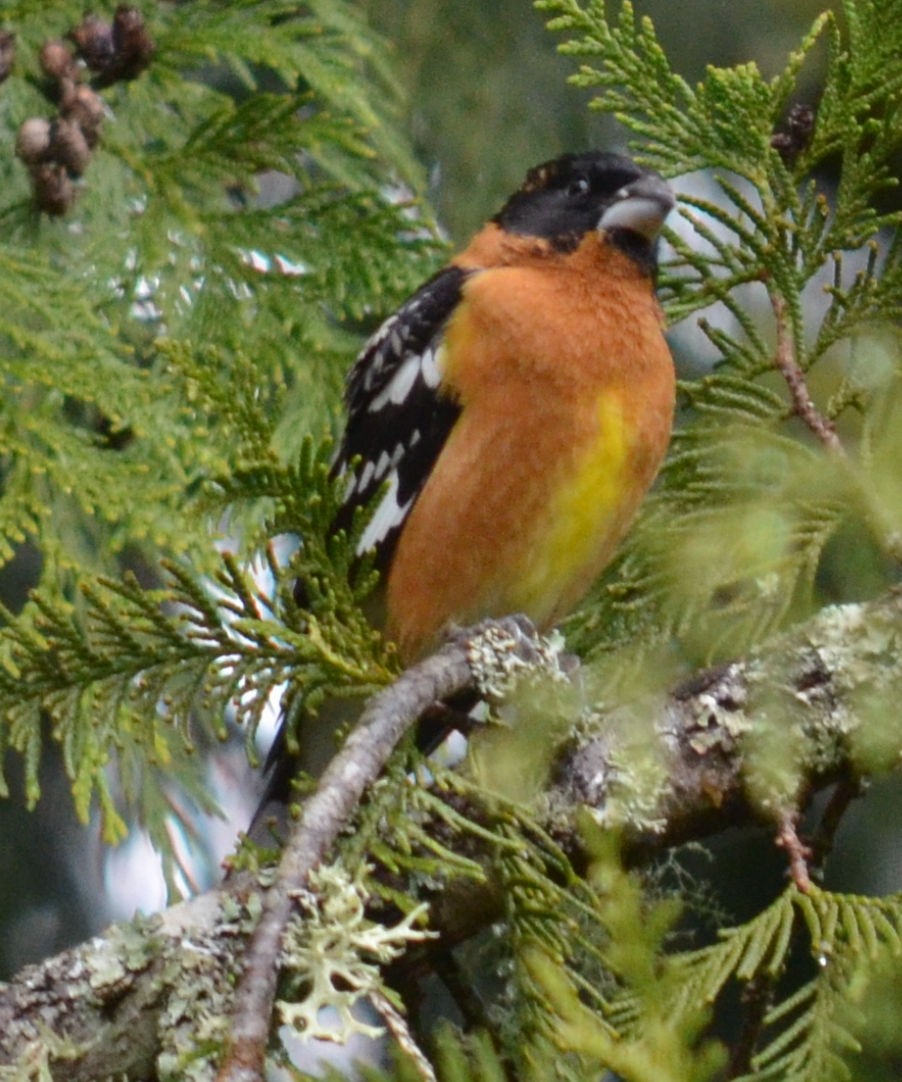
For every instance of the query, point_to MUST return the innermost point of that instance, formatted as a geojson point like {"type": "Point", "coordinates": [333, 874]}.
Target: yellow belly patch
{"type": "Point", "coordinates": [585, 519]}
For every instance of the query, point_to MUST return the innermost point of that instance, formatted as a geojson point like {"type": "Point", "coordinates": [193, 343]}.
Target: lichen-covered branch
{"type": "Point", "coordinates": [750, 741]}
{"type": "Point", "coordinates": [747, 742]}
{"type": "Point", "coordinates": [387, 717]}
{"type": "Point", "coordinates": [126, 1003]}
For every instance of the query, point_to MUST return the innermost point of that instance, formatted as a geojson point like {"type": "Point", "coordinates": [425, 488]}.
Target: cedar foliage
{"type": "Point", "coordinates": [168, 346]}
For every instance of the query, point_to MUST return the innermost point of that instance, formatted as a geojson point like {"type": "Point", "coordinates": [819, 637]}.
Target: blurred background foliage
{"type": "Point", "coordinates": [486, 92]}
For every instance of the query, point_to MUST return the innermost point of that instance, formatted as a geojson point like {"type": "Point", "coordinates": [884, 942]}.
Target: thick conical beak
{"type": "Point", "coordinates": [640, 206]}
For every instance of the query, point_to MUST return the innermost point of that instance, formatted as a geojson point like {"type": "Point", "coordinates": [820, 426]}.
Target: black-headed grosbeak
{"type": "Point", "coordinates": [516, 408]}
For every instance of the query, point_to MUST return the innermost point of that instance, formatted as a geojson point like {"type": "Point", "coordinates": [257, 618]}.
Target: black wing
{"type": "Point", "coordinates": [397, 424]}
{"type": "Point", "coordinates": [398, 419]}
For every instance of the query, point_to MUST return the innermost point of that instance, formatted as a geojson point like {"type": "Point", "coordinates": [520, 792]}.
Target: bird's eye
{"type": "Point", "coordinates": [580, 186]}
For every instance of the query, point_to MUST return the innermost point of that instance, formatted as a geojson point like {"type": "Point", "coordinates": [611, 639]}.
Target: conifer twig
{"type": "Point", "coordinates": [757, 999]}
{"type": "Point", "coordinates": [387, 717]}
{"type": "Point", "coordinates": [399, 1029]}
{"type": "Point", "coordinates": [802, 403]}
{"type": "Point", "coordinates": [797, 852]}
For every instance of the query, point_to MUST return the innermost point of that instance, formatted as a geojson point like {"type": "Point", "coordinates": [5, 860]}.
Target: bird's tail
{"type": "Point", "coordinates": [317, 742]}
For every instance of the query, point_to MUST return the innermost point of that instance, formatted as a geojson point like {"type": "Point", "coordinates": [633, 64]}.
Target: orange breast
{"type": "Point", "coordinates": [567, 389]}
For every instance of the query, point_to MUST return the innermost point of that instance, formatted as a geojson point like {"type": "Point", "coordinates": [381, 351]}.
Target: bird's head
{"type": "Point", "coordinates": [564, 199]}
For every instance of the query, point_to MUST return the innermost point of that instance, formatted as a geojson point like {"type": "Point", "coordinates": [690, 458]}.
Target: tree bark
{"type": "Point", "coordinates": [748, 742]}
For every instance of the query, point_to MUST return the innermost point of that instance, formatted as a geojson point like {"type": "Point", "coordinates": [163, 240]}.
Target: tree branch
{"type": "Point", "coordinates": [749, 742]}
{"type": "Point", "coordinates": [153, 991]}
{"type": "Point", "coordinates": [387, 717]}
{"type": "Point", "coordinates": [802, 403]}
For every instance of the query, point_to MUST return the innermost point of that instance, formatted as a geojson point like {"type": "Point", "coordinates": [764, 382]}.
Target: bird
{"type": "Point", "coordinates": [517, 407]}
{"type": "Point", "coordinates": [505, 423]}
